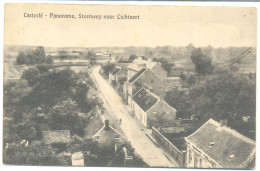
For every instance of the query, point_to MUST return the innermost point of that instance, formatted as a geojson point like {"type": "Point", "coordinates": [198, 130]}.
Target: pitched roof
{"type": "Point", "coordinates": [94, 125]}
{"type": "Point", "coordinates": [148, 64]}
{"type": "Point", "coordinates": [116, 71]}
{"type": "Point", "coordinates": [137, 75]}
{"type": "Point", "coordinates": [14, 71]}
{"type": "Point", "coordinates": [140, 63]}
{"type": "Point", "coordinates": [134, 66]}
{"type": "Point", "coordinates": [57, 136]}
{"type": "Point", "coordinates": [224, 145]}
{"type": "Point", "coordinates": [112, 132]}
{"type": "Point", "coordinates": [145, 99]}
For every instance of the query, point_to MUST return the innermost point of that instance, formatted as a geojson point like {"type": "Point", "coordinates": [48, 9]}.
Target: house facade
{"type": "Point", "coordinates": [139, 63]}
{"type": "Point", "coordinates": [112, 75]}
{"type": "Point", "coordinates": [118, 75]}
{"type": "Point", "coordinates": [150, 75]}
{"type": "Point", "coordinates": [108, 139]}
{"type": "Point", "coordinates": [151, 110]}
{"type": "Point", "coordinates": [214, 145]}
{"type": "Point", "coordinates": [145, 78]}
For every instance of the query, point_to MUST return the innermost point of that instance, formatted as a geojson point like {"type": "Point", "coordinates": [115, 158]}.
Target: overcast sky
{"type": "Point", "coordinates": [158, 26]}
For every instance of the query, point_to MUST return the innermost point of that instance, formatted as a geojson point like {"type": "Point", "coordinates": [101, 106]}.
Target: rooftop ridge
{"type": "Point", "coordinates": [139, 74]}
{"type": "Point", "coordinates": [138, 91]}
{"type": "Point", "coordinates": [146, 91]}
{"type": "Point", "coordinates": [157, 97]}
{"type": "Point", "coordinates": [210, 120]}
{"type": "Point", "coordinates": [233, 132]}
{"type": "Point", "coordinates": [170, 106]}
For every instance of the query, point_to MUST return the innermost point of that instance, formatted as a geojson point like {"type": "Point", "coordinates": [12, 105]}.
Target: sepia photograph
{"type": "Point", "coordinates": [144, 86]}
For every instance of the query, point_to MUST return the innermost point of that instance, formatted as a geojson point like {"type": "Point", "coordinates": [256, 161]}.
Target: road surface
{"type": "Point", "coordinates": [144, 147]}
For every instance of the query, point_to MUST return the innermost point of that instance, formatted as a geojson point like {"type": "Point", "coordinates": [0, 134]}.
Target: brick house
{"type": "Point", "coordinates": [105, 136]}
{"type": "Point", "coordinates": [214, 145]}
{"type": "Point", "coordinates": [112, 74]}
{"type": "Point", "coordinates": [139, 64]}
{"type": "Point", "coordinates": [118, 75]}
{"type": "Point", "coordinates": [151, 110]}
{"type": "Point", "coordinates": [145, 78]}
{"type": "Point", "coordinates": [150, 75]}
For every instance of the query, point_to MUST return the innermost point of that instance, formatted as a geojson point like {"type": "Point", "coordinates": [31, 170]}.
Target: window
{"type": "Point", "coordinates": [151, 80]}
{"type": "Point", "coordinates": [97, 137]}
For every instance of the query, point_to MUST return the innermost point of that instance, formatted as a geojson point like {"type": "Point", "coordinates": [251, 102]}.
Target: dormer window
{"type": "Point", "coordinates": [232, 156]}
{"type": "Point", "coordinates": [212, 143]}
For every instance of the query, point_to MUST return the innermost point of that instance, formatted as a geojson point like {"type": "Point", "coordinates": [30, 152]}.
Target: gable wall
{"type": "Point", "coordinates": [150, 79]}
{"type": "Point", "coordinates": [159, 71]}
{"type": "Point", "coordinates": [161, 114]}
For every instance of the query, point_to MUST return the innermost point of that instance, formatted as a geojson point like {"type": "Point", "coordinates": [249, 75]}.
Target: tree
{"type": "Point", "coordinates": [132, 57]}
{"type": "Point", "coordinates": [36, 154]}
{"type": "Point", "coordinates": [65, 115]}
{"type": "Point", "coordinates": [32, 75]}
{"type": "Point", "coordinates": [51, 88]}
{"type": "Point", "coordinates": [32, 57]}
{"type": "Point", "coordinates": [203, 63]}
{"type": "Point", "coordinates": [91, 56]}
{"type": "Point", "coordinates": [165, 64]}
{"type": "Point", "coordinates": [63, 55]}
{"type": "Point", "coordinates": [49, 59]}
{"type": "Point", "coordinates": [21, 58]}
{"type": "Point", "coordinates": [180, 101]}
{"type": "Point", "coordinates": [40, 55]}
{"type": "Point", "coordinates": [220, 96]}
{"type": "Point", "coordinates": [107, 68]}
{"type": "Point", "coordinates": [226, 96]}
{"type": "Point", "coordinates": [76, 144]}
{"type": "Point", "coordinates": [191, 80]}
{"type": "Point", "coordinates": [149, 53]}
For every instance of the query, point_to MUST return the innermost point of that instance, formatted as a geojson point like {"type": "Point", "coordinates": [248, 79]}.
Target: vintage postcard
{"type": "Point", "coordinates": [129, 86]}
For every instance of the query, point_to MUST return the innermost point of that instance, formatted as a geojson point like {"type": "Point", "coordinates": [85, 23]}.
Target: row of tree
{"type": "Point", "coordinates": [220, 96]}
{"type": "Point", "coordinates": [44, 99]}
{"type": "Point", "coordinates": [33, 57]}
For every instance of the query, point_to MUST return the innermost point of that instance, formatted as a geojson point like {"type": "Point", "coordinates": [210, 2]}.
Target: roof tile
{"type": "Point", "coordinates": [145, 100]}
{"type": "Point", "coordinates": [224, 145]}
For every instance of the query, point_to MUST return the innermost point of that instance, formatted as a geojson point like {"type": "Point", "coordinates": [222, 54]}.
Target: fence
{"type": "Point", "coordinates": [172, 150]}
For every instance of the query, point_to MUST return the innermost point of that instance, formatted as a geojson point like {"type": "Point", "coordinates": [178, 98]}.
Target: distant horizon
{"type": "Point", "coordinates": [127, 46]}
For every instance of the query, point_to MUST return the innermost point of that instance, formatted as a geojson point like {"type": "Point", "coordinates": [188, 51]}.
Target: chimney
{"type": "Point", "coordinates": [223, 122]}
{"type": "Point", "coordinates": [180, 120]}
{"type": "Point", "coordinates": [107, 127]}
